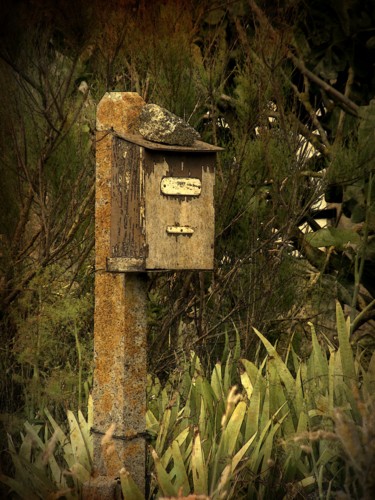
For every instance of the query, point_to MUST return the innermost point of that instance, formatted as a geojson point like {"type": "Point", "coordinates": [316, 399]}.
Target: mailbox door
{"type": "Point", "coordinates": [179, 213]}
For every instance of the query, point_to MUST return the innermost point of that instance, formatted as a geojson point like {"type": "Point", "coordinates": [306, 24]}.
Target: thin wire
{"type": "Point", "coordinates": [143, 434]}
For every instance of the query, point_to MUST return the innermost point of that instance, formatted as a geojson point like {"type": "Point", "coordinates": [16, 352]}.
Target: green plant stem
{"type": "Point", "coordinates": [35, 397]}
{"type": "Point", "coordinates": [358, 318]}
{"type": "Point", "coordinates": [79, 355]}
{"type": "Point", "coordinates": [361, 257]}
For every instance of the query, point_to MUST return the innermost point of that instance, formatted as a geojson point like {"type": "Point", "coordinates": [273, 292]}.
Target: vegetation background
{"type": "Point", "coordinates": [286, 87]}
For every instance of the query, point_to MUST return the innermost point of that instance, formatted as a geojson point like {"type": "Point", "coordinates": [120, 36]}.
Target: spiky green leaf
{"type": "Point", "coordinates": [199, 467]}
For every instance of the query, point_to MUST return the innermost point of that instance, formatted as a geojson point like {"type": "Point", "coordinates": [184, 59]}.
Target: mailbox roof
{"type": "Point", "coordinates": [198, 146]}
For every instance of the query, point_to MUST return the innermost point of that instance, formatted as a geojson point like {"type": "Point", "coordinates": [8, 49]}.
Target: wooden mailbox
{"type": "Point", "coordinates": [162, 205]}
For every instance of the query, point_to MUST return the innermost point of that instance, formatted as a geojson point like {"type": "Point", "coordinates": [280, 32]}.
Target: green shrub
{"type": "Point", "coordinates": [51, 463]}
{"type": "Point", "coordinates": [289, 428]}
{"type": "Point", "coordinates": [50, 355]}
{"type": "Point", "coordinates": [286, 426]}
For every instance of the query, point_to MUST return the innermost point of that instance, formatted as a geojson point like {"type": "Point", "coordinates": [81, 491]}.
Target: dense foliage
{"type": "Point", "coordinates": [288, 429]}
{"type": "Point", "coordinates": [285, 87]}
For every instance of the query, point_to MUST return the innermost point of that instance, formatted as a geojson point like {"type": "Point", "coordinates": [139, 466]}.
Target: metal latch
{"type": "Point", "coordinates": [180, 230]}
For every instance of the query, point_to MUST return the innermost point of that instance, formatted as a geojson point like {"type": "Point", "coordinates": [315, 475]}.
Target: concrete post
{"type": "Point", "coordinates": [119, 393]}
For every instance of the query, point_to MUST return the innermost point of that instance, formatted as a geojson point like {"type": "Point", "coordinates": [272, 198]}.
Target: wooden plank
{"type": "Point", "coordinates": [128, 202]}
{"type": "Point", "coordinates": [198, 146]}
{"type": "Point", "coordinates": [124, 264]}
{"type": "Point", "coordinates": [171, 251]}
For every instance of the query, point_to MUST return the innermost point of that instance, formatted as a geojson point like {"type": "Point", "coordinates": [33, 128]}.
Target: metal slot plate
{"type": "Point", "coordinates": [180, 230]}
{"type": "Point", "coordinates": [181, 186]}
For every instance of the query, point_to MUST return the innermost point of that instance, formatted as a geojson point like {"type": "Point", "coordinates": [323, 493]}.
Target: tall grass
{"type": "Point", "coordinates": [287, 428]}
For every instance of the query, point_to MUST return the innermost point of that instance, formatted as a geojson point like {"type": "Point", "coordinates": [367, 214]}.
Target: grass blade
{"type": "Point", "coordinates": [164, 480]}
{"type": "Point", "coordinates": [198, 467]}
{"type": "Point", "coordinates": [347, 359]}
{"type": "Point", "coordinates": [129, 488]}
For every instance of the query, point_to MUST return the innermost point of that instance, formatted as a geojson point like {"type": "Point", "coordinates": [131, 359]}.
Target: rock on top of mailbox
{"type": "Point", "coordinates": [159, 129]}
{"type": "Point", "coordinates": [160, 125]}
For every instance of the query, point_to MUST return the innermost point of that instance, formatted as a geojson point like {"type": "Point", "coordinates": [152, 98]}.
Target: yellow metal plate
{"type": "Point", "coordinates": [181, 186]}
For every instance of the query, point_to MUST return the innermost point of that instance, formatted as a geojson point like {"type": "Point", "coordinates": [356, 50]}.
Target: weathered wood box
{"type": "Point", "coordinates": [162, 205]}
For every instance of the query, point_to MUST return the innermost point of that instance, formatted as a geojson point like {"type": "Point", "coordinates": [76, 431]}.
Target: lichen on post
{"type": "Point", "coordinates": [120, 372]}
